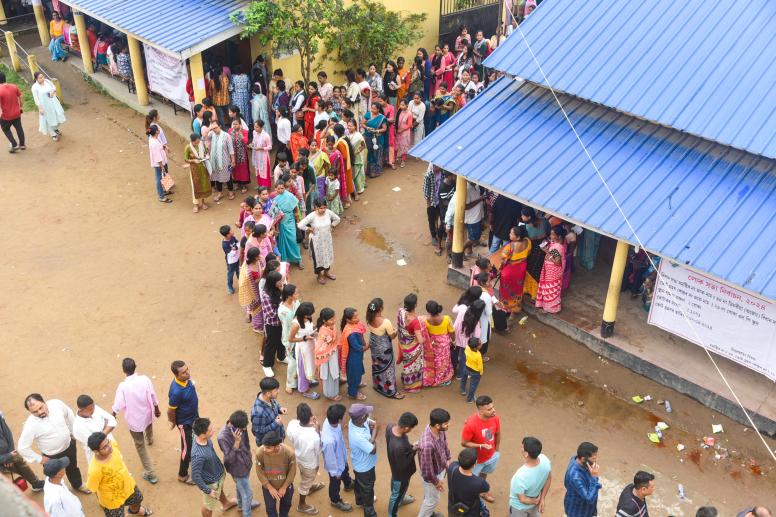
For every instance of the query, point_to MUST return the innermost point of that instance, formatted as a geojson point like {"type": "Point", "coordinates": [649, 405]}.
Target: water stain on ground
{"type": "Point", "coordinates": [370, 236]}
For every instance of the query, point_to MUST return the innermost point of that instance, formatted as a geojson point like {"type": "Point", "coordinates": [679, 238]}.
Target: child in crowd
{"type": "Point", "coordinates": [352, 348]}
{"type": "Point", "coordinates": [246, 208]}
{"type": "Point", "coordinates": [281, 168]}
{"type": "Point", "coordinates": [247, 230]}
{"type": "Point", "coordinates": [332, 192]}
{"type": "Point", "coordinates": [298, 141]}
{"type": "Point", "coordinates": [473, 370]}
{"type": "Point", "coordinates": [481, 265]}
{"type": "Point", "coordinates": [232, 255]}
{"type": "Point", "coordinates": [491, 304]}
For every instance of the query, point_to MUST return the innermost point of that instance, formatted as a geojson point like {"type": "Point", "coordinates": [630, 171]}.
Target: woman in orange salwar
{"type": "Point", "coordinates": [551, 279]}
{"type": "Point", "coordinates": [438, 333]}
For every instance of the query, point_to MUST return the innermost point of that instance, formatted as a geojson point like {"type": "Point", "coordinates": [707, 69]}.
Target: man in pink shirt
{"type": "Point", "coordinates": [135, 396]}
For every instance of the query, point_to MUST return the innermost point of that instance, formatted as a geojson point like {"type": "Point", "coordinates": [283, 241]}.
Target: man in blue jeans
{"type": "Point", "coordinates": [362, 434]}
{"type": "Point", "coordinates": [231, 249]}
{"type": "Point", "coordinates": [401, 458]}
{"type": "Point", "coordinates": [234, 442]}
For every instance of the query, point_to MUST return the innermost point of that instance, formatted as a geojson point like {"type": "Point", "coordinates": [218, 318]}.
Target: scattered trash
{"type": "Point", "coordinates": [679, 447]}
{"type": "Point", "coordinates": [647, 397]}
{"type": "Point", "coordinates": [637, 399]}
{"type": "Point", "coordinates": [653, 437]}
{"type": "Point", "coordinates": [680, 489]}
{"type": "Point", "coordinates": [522, 321]}
{"type": "Point", "coordinates": [401, 262]}
{"type": "Point", "coordinates": [716, 428]}
{"type": "Point", "coordinates": [709, 441]}
{"type": "Point", "coordinates": [662, 426]}
{"type": "Point", "coordinates": [658, 431]}
{"type": "Point", "coordinates": [396, 189]}
{"type": "Point", "coordinates": [65, 349]}
{"type": "Point", "coordinates": [533, 335]}
{"type": "Point", "coordinates": [668, 406]}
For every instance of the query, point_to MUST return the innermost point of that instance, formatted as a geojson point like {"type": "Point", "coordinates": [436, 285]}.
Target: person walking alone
{"type": "Point", "coordinates": [434, 456]}
{"type": "Point", "coordinates": [236, 447]}
{"type": "Point", "coordinates": [136, 399]}
{"type": "Point", "coordinates": [182, 411]}
{"type": "Point", "coordinates": [11, 107]}
{"type": "Point", "coordinates": [401, 458]}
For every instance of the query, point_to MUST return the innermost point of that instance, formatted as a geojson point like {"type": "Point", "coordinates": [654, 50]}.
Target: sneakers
{"type": "Point", "coordinates": [151, 478]}
{"type": "Point", "coordinates": [342, 506]}
{"type": "Point", "coordinates": [37, 486]}
{"type": "Point", "coordinates": [308, 509]}
{"type": "Point", "coordinates": [408, 499]}
{"type": "Point", "coordinates": [268, 371]}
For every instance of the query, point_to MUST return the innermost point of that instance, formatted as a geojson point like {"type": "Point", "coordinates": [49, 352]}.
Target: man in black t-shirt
{"type": "Point", "coordinates": [633, 500]}
{"type": "Point", "coordinates": [401, 458]}
{"type": "Point", "coordinates": [464, 488]}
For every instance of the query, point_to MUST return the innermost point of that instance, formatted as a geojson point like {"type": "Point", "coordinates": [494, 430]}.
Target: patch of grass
{"type": "Point", "coordinates": [12, 76]}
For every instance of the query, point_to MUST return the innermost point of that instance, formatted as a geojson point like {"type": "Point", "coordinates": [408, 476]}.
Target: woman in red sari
{"type": "Point", "coordinates": [313, 98]}
{"type": "Point", "coordinates": [241, 173]}
{"type": "Point", "coordinates": [338, 165]}
{"type": "Point", "coordinates": [551, 279]}
{"type": "Point", "coordinates": [513, 267]}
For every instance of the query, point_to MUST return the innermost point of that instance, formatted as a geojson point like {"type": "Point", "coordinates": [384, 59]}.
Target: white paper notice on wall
{"type": "Point", "coordinates": [167, 76]}
{"type": "Point", "coordinates": [729, 322]}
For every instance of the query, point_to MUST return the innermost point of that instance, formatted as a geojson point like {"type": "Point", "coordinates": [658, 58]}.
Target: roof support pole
{"type": "Point", "coordinates": [40, 21]}
{"type": "Point", "coordinates": [138, 70]}
{"type": "Point", "coordinates": [83, 42]}
{"type": "Point", "coordinates": [613, 293]}
{"type": "Point", "coordinates": [16, 64]}
{"type": "Point", "coordinates": [459, 233]}
{"type": "Point", "coordinates": [3, 19]}
{"type": "Point", "coordinates": [197, 77]}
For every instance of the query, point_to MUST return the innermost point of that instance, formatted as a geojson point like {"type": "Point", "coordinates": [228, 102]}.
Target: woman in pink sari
{"type": "Point", "coordinates": [404, 123]}
{"type": "Point", "coordinates": [338, 166]}
{"type": "Point", "coordinates": [390, 116]}
{"type": "Point", "coordinates": [411, 341]}
{"type": "Point", "coordinates": [438, 333]}
{"type": "Point", "coordinates": [551, 279]}
{"type": "Point", "coordinates": [261, 145]}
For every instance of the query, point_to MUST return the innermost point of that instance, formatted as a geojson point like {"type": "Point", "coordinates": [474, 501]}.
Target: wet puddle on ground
{"type": "Point", "coordinates": [370, 236]}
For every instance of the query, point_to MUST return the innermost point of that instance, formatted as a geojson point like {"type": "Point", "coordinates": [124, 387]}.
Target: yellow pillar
{"type": "Point", "coordinates": [613, 293]}
{"type": "Point", "coordinates": [3, 20]}
{"type": "Point", "coordinates": [40, 20]}
{"type": "Point", "coordinates": [58, 88]}
{"type": "Point", "coordinates": [32, 61]}
{"type": "Point", "coordinates": [83, 42]}
{"type": "Point", "coordinates": [459, 231]}
{"type": "Point", "coordinates": [197, 77]}
{"type": "Point", "coordinates": [11, 42]}
{"type": "Point", "coordinates": [137, 70]}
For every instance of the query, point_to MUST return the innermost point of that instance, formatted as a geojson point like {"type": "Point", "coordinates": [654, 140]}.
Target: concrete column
{"type": "Point", "coordinates": [11, 42]}
{"type": "Point", "coordinates": [32, 61]}
{"type": "Point", "coordinates": [83, 42]}
{"type": "Point", "coordinates": [40, 20]}
{"type": "Point", "coordinates": [197, 77]}
{"type": "Point", "coordinates": [3, 19]}
{"type": "Point", "coordinates": [613, 293]}
{"type": "Point", "coordinates": [58, 88]}
{"type": "Point", "coordinates": [459, 231]}
{"type": "Point", "coordinates": [136, 56]}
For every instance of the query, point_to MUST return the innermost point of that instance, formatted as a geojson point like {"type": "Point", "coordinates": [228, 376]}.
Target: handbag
{"type": "Point", "coordinates": [167, 181]}
{"type": "Point", "coordinates": [20, 482]}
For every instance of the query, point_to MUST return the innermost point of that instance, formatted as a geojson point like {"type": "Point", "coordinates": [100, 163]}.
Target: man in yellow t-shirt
{"type": "Point", "coordinates": [110, 479]}
{"type": "Point", "coordinates": [474, 368]}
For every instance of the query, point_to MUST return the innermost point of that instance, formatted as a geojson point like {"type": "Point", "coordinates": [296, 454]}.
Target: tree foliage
{"type": "Point", "coordinates": [291, 25]}
{"type": "Point", "coordinates": [366, 31]}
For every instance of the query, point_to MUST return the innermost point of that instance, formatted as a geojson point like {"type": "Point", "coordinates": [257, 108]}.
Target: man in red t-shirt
{"type": "Point", "coordinates": [482, 431]}
{"type": "Point", "coordinates": [11, 113]}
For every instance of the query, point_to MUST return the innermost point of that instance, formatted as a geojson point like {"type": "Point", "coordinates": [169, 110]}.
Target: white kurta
{"type": "Point", "coordinates": [53, 115]}
{"type": "Point", "coordinates": [321, 241]}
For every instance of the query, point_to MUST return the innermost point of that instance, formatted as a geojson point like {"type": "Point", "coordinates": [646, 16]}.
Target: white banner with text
{"type": "Point", "coordinates": [729, 322]}
{"type": "Point", "coordinates": [167, 76]}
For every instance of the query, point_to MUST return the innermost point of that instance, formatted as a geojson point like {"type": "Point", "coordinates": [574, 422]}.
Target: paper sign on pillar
{"type": "Point", "coordinates": [167, 76]}
{"type": "Point", "coordinates": [728, 321]}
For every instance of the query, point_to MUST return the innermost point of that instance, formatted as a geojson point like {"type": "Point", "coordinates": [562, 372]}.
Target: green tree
{"type": "Point", "coordinates": [366, 31]}
{"type": "Point", "coordinates": [291, 25]}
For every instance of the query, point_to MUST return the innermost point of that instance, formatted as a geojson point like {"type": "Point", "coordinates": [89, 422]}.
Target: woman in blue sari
{"type": "Point", "coordinates": [286, 203]}
{"type": "Point", "coordinates": [376, 137]}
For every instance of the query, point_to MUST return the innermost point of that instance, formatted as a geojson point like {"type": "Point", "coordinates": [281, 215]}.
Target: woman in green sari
{"type": "Point", "coordinates": [286, 203]}
{"type": "Point", "coordinates": [376, 138]}
{"type": "Point", "coordinates": [359, 150]}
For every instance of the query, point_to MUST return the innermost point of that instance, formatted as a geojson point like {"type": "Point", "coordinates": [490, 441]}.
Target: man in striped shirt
{"type": "Point", "coordinates": [633, 500]}
{"type": "Point", "coordinates": [207, 471]}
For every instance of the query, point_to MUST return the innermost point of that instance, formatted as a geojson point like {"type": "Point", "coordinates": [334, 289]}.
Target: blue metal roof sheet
{"type": "Point", "coordinates": [178, 27]}
{"type": "Point", "coordinates": [691, 200]}
{"type": "Point", "coordinates": [700, 66]}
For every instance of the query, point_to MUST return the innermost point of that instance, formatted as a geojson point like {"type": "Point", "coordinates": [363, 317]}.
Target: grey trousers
{"type": "Point", "coordinates": [533, 512]}
{"type": "Point", "coordinates": [139, 438]}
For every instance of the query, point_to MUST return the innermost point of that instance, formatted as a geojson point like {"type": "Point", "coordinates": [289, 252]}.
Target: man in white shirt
{"type": "Point", "coordinates": [136, 398]}
{"type": "Point", "coordinates": [58, 501]}
{"type": "Point", "coordinates": [475, 211]}
{"type": "Point", "coordinates": [50, 425]}
{"type": "Point", "coordinates": [91, 418]}
{"type": "Point", "coordinates": [304, 434]}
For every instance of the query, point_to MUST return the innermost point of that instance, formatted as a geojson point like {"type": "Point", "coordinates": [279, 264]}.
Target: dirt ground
{"type": "Point", "coordinates": [96, 269]}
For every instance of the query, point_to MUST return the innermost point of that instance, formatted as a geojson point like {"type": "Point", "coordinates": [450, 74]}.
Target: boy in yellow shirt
{"type": "Point", "coordinates": [474, 368]}
{"type": "Point", "coordinates": [110, 479]}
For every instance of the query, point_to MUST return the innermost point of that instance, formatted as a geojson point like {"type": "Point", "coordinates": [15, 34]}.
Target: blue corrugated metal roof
{"type": "Point", "coordinates": [689, 199]}
{"type": "Point", "coordinates": [705, 67]}
{"type": "Point", "coordinates": [176, 26]}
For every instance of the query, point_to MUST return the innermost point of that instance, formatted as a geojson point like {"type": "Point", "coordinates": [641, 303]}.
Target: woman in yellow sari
{"type": "Point", "coordinates": [514, 264]}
